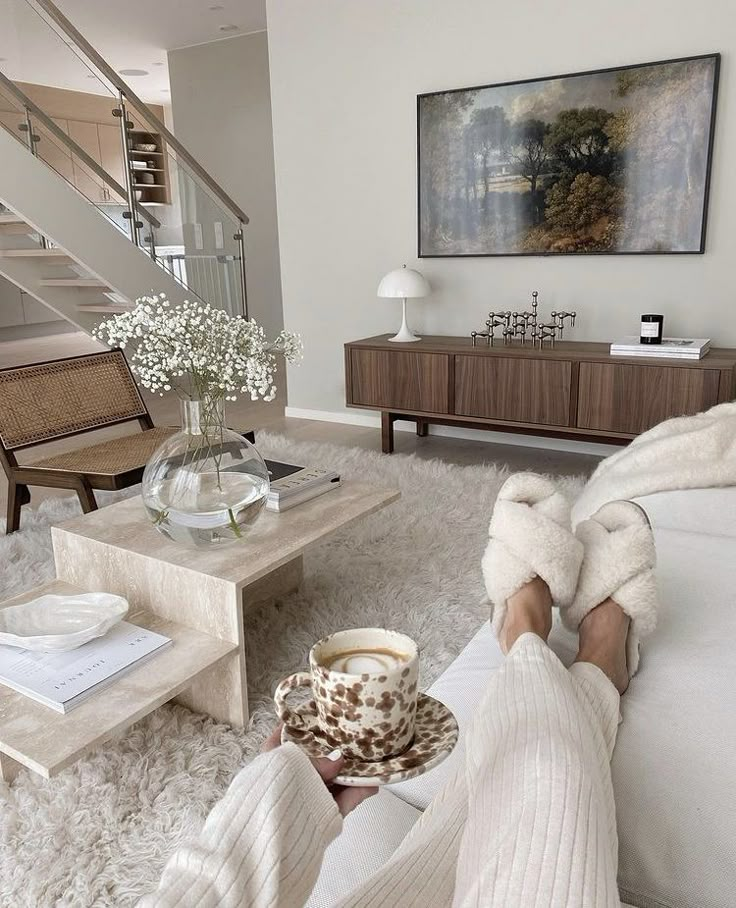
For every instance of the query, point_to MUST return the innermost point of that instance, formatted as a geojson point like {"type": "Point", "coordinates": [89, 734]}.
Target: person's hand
{"type": "Point", "coordinates": [346, 797]}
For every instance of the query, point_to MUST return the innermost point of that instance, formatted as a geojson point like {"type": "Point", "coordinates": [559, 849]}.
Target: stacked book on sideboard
{"type": "Point", "coordinates": [670, 348]}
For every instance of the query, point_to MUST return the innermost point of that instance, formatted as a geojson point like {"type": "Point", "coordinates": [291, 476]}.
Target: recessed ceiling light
{"type": "Point", "coordinates": [216, 7]}
{"type": "Point", "coordinates": [158, 64]}
{"type": "Point", "coordinates": [228, 28]}
{"type": "Point", "coordinates": [165, 91]}
{"type": "Point", "coordinates": [133, 72]}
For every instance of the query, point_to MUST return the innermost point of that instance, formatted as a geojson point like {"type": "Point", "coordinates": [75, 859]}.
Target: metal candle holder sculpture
{"type": "Point", "coordinates": [523, 325]}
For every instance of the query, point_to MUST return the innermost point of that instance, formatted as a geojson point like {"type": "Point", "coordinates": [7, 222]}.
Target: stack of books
{"type": "Point", "coordinates": [62, 681]}
{"type": "Point", "coordinates": [670, 348]}
{"type": "Point", "coordinates": [292, 485]}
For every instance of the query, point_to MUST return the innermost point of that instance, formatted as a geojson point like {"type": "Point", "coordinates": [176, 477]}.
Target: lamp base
{"type": "Point", "coordinates": [404, 338]}
{"type": "Point", "coordinates": [405, 335]}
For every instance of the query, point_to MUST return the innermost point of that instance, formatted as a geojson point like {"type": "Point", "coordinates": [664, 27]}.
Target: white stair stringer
{"type": "Point", "coordinates": [52, 207]}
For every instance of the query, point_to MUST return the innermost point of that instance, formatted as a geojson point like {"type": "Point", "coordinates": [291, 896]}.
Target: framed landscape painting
{"type": "Point", "coordinates": [605, 162]}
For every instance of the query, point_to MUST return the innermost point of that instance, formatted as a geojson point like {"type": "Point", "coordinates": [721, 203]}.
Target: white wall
{"type": "Point", "coordinates": [221, 105]}
{"type": "Point", "coordinates": [344, 80]}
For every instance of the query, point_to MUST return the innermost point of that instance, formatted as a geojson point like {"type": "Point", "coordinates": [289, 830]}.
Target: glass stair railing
{"type": "Point", "coordinates": [137, 174]}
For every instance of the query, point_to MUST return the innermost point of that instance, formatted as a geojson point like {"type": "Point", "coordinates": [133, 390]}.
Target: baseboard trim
{"type": "Point", "coordinates": [490, 437]}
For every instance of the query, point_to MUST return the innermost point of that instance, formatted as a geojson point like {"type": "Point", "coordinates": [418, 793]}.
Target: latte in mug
{"type": "Point", "coordinates": [365, 686]}
{"type": "Point", "coordinates": [359, 661]}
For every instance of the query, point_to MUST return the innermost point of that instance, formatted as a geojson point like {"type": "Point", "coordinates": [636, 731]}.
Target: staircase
{"type": "Point", "coordinates": [26, 265]}
{"type": "Point", "coordinates": [88, 269]}
{"type": "Point", "coordinates": [86, 260]}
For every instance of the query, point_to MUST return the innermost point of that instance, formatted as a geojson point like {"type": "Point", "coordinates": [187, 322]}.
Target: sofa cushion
{"type": "Point", "coordinates": [710, 511]}
{"type": "Point", "coordinates": [370, 836]}
{"type": "Point", "coordinates": [674, 767]}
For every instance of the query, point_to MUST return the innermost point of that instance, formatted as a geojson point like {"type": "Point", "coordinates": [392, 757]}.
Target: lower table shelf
{"type": "Point", "coordinates": [34, 736]}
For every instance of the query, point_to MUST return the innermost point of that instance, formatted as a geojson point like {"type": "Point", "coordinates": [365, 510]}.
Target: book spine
{"type": "Point", "coordinates": [688, 350]}
{"type": "Point", "coordinates": [647, 355]}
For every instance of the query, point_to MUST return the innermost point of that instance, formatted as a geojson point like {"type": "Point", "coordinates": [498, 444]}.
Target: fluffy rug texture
{"type": "Point", "coordinates": [100, 832]}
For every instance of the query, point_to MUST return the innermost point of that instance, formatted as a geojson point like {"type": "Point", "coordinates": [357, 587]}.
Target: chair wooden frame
{"type": "Point", "coordinates": [84, 483]}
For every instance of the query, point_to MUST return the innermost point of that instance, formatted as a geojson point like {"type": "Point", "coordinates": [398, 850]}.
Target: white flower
{"type": "Point", "coordinates": [198, 350]}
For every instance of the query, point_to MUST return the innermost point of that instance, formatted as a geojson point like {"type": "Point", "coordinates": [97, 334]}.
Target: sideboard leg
{"type": "Point", "coordinates": [387, 433]}
{"type": "Point", "coordinates": [422, 428]}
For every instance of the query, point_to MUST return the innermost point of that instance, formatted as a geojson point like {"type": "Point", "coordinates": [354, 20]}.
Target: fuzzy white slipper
{"type": "Point", "coordinates": [530, 536]}
{"type": "Point", "coordinates": [619, 563]}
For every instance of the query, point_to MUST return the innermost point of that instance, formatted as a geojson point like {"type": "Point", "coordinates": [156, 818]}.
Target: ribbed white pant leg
{"type": "Point", "coordinates": [541, 828]}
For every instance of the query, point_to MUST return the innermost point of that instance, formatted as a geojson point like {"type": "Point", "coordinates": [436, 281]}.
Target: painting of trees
{"type": "Point", "coordinates": [613, 161]}
{"type": "Point", "coordinates": [530, 152]}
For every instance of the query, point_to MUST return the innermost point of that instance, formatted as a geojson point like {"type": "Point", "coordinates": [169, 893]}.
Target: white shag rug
{"type": "Point", "coordinates": [100, 832]}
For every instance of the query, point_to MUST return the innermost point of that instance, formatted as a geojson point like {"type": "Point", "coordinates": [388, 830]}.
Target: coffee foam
{"type": "Point", "coordinates": [365, 661]}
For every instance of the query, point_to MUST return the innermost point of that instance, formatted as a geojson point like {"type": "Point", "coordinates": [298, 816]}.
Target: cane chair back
{"type": "Point", "coordinates": [45, 401]}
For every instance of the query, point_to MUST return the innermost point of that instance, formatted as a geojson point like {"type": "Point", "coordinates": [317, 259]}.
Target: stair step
{"type": "Point", "coordinates": [34, 253]}
{"type": "Point", "coordinates": [89, 282]}
{"type": "Point", "coordinates": [11, 224]}
{"type": "Point", "coordinates": [110, 309]}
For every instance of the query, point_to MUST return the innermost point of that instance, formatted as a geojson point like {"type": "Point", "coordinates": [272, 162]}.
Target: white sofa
{"type": "Point", "coordinates": [674, 767]}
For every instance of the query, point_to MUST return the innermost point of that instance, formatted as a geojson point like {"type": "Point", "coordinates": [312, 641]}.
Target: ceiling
{"type": "Point", "coordinates": [129, 34]}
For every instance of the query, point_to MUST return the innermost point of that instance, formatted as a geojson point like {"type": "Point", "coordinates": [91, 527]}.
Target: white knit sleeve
{"type": "Point", "coordinates": [262, 844]}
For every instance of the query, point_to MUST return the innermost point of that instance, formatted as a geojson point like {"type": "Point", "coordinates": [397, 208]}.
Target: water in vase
{"type": "Point", "coordinates": [205, 485]}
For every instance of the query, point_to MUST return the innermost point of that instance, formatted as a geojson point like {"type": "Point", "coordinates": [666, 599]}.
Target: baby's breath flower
{"type": "Point", "coordinates": [197, 350]}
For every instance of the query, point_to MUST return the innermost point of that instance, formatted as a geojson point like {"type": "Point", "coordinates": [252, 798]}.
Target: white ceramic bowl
{"type": "Point", "coordinates": [57, 624]}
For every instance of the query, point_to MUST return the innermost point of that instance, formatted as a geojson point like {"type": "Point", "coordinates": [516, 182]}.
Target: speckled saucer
{"type": "Point", "coordinates": [435, 736]}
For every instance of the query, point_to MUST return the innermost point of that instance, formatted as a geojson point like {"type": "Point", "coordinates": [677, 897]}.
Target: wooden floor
{"type": "Point", "coordinates": [259, 415]}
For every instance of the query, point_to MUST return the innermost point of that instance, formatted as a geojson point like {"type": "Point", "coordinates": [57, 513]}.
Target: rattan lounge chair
{"type": "Point", "coordinates": [48, 401]}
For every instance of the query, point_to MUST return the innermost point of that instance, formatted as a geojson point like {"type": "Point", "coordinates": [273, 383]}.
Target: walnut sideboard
{"type": "Point", "coordinates": [572, 390]}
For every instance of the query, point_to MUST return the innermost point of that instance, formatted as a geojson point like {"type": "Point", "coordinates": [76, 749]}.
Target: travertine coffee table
{"type": "Point", "coordinates": [196, 596]}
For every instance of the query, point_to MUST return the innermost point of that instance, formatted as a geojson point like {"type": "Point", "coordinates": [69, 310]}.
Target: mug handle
{"type": "Point", "coordinates": [283, 689]}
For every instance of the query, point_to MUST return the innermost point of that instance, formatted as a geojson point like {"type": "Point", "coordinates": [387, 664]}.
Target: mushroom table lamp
{"type": "Point", "coordinates": [404, 283]}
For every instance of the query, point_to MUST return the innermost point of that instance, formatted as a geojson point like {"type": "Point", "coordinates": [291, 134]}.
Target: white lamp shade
{"type": "Point", "coordinates": [404, 283]}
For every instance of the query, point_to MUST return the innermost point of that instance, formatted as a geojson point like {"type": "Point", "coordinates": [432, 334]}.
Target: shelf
{"type": "Point", "coordinates": [46, 741]}
{"type": "Point", "coordinates": [148, 186]}
{"type": "Point", "coordinates": [137, 151]}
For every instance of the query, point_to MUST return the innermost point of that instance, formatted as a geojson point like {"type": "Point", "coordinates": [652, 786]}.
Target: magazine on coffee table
{"type": "Point", "coordinates": [62, 681]}
{"type": "Point", "coordinates": [292, 485]}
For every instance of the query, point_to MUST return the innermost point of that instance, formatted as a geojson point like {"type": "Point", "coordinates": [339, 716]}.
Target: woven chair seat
{"type": "Point", "coordinates": [109, 458]}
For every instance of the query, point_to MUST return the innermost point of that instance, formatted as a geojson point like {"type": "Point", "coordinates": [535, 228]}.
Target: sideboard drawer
{"type": "Point", "coordinates": [631, 398]}
{"type": "Point", "coordinates": [400, 380]}
{"type": "Point", "coordinates": [515, 389]}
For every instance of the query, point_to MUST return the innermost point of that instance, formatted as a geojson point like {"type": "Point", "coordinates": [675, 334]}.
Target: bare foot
{"type": "Point", "coordinates": [603, 634]}
{"type": "Point", "coordinates": [529, 609]}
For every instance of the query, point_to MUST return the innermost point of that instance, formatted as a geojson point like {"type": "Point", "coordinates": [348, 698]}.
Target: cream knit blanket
{"type": "Point", "coordinates": [687, 452]}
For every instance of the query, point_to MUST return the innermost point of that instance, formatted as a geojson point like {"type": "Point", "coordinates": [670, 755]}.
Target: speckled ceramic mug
{"type": "Point", "coordinates": [369, 710]}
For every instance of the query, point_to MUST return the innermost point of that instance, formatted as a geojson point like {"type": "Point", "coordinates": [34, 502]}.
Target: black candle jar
{"type": "Point", "coordinates": [652, 327]}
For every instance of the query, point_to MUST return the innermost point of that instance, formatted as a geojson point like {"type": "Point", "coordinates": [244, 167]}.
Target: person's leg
{"type": "Point", "coordinates": [602, 642]}
{"type": "Point", "coordinates": [529, 821]}
{"type": "Point", "coordinates": [541, 816]}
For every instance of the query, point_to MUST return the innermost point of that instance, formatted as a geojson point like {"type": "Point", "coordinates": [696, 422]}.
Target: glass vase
{"type": "Point", "coordinates": [205, 485]}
